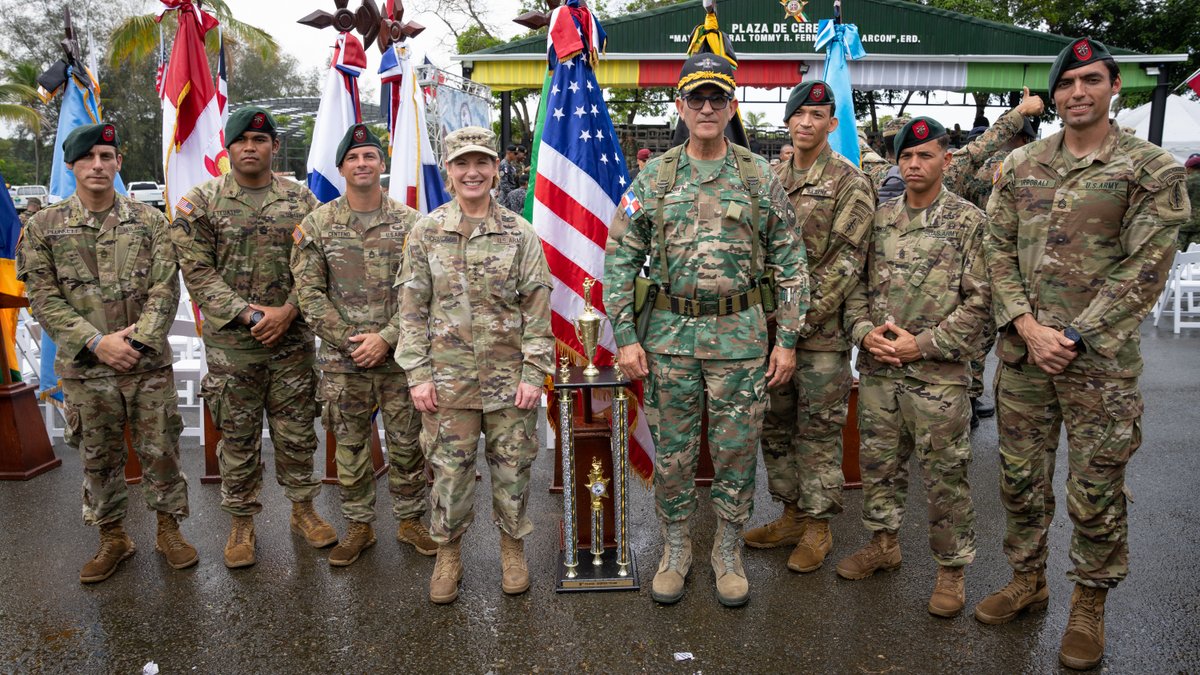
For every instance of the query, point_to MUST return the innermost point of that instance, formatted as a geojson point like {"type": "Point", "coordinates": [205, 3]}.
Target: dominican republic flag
{"type": "Point", "coordinates": [193, 151]}
{"type": "Point", "coordinates": [579, 182]}
{"type": "Point", "coordinates": [339, 110]}
{"type": "Point", "coordinates": [415, 179]}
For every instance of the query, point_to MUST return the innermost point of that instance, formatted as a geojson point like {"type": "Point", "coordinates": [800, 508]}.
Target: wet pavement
{"type": "Point", "coordinates": [292, 613]}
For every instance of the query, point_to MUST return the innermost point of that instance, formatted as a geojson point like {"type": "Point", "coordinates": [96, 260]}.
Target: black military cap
{"type": "Point", "coordinates": [920, 130]}
{"type": "Point", "coordinates": [1029, 128]}
{"type": "Point", "coordinates": [813, 92]}
{"type": "Point", "coordinates": [357, 136]}
{"type": "Point", "coordinates": [1079, 53]}
{"type": "Point", "coordinates": [705, 68]}
{"type": "Point", "coordinates": [249, 118]}
{"type": "Point", "coordinates": [81, 140]}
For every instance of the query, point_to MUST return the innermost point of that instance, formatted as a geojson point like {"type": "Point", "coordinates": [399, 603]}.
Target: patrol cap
{"type": "Point", "coordinates": [80, 141]}
{"type": "Point", "coordinates": [813, 92]}
{"type": "Point", "coordinates": [894, 125]}
{"type": "Point", "coordinates": [249, 118]}
{"type": "Point", "coordinates": [357, 136]}
{"type": "Point", "coordinates": [1076, 55]}
{"type": "Point", "coordinates": [470, 139]}
{"type": "Point", "coordinates": [920, 130]}
{"type": "Point", "coordinates": [705, 68]}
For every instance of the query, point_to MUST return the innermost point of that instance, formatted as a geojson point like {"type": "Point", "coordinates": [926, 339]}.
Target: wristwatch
{"type": "Point", "coordinates": [255, 317]}
{"type": "Point", "coordinates": [137, 346]}
{"type": "Point", "coordinates": [1074, 336]}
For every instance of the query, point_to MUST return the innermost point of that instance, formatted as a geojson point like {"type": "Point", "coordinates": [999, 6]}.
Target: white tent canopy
{"type": "Point", "coordinates": [1181, 128]}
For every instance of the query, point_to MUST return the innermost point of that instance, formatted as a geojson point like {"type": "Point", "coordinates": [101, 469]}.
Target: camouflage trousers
{"type": "Point", "coordinates": [897, 416]}
{"type": "Point", "coordinates": [240, 386]}
{"type": "Point", "coordinates": [975, 367]}
{"type": "Point", "coordinates": [450, 438]}
{"type": "Point", "coordinates": [1104, 428]}
{"type": "Point", "coordinates": [736, 403]}
{"type": "Point", "coordinates": [802, 433]}
{"type": "Point", "coordinates": [350, 399]}
{"type": "Point", "coordinates": [98, 412]}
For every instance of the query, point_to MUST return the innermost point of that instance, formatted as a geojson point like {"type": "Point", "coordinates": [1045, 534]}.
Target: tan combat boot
{"type": "Point", "coordinates": [732, 588]}
{"type": "Point", "coordinates": [1026, 591]}
{"type": "Point", "coordinates": [411, 531]}
{"type": "Point", "coordinates": [785, 530]}
{"type": "Point", "coordinates": [1083, 643]}
{"type": "Point", "coordinates": [307, 523]}
{"type": "Point", "coordinates": [515, 573]}
{"type": "Point", "coordinates": [674, 565]}
{"type": "Point", "coordinates": [170, 543]}
{"type": "Point", "coordinates": [359, 537]}
{"type": "Point", "coordinates": [949, 592]}
{"type": "Point", "coordinates": [115, 546]}
{"type": "Point", "coordinates": [815, 543]}
{"type": "Point", "coordinates": [447, 572]}
{"type": "Point", "coordinates": [881, 553]}
{"type": "Point", "coordinates": [239, 548]}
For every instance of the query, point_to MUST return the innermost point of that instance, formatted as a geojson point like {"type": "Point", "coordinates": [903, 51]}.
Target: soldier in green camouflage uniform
{"type": "Point", "coordinates": [347, 256]}
{"type": "Point", "coordinates": [707, 334]}
{"type": "Point", "coordinates": [802, 430]}
{"type": "Point", "coordinates": [476, 344]}
{"type": "Point", "coordinates": [101, 277]}
{"type": "Point", "coordinates": [32, 206]}
{"type": "Point", "coordinates": [918, 315]}
{"type": "Point", "coordinates": [1190, 232]}
{"type": "Point", "coordinates": [1082, 234]}
{"type": "Point", "coordinates": [233, 235]}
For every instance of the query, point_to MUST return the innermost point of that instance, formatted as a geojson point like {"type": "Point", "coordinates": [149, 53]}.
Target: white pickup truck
{"type": "Point", "coordinates": [22, 193]}
{"type": "Point", "coordinates": [147, 193]}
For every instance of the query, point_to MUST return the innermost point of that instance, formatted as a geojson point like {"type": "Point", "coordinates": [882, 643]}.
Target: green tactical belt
{"type": "Point", "coordinates": [730, 304]}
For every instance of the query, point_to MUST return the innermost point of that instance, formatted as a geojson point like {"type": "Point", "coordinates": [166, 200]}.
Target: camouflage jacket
{"type": "Point", "coordinates": [344, 278]}
{"type": "Point", "coordinates": [233, 254]}
{"type": "Point", "coordinates": [1190, 232]}
{"type": "Point", "coordinates": [85, 277]}
{"type": "Point", "coordinates": [979, 186]}
{"type": "Point", "coordinates": [708, 237]}
{"type": "Point", "coordinates": [1084, 243]}
{"type": "Point", "coordinates": [928, 277]}
{"type": "Point", "coordinates": [475, 308]}
{"type": "Point", "coordinates": [835, 207]}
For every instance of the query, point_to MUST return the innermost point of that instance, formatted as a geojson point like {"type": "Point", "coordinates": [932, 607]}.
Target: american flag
{"type": "Point", "coordinates": [579, 182]}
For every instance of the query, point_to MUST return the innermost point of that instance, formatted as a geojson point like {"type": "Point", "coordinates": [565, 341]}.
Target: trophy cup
{"type": "Point", "coordinates": [598, 487]}
{"type": "Point", "coordinates": [587, 328]}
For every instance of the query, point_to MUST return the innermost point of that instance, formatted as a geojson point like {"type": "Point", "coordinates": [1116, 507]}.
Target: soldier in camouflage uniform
{"type": "Point", "coordinates": [233, 235]}
{"type": "Point", "coordinates": [32, 206]}
{"type": "Point", "coordinates": [802, 430]}
{"type": "Point", "coordinates": [1082, 233]}
{"type": "Point", "coordinates": [346, 259]}
{"type": "Point", "coordinates": [1190, 232]}
{"type": "Point", "coordinates": [476, 343]}
{"type": "Point", "coordinates": [101, 276]}
{"type": "Point", "coordinates": [918, 315]}
{"type": "Point", "coordinates": [711, 245]}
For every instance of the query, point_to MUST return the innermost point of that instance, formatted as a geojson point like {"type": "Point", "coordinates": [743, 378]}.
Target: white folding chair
{"type": "Point", "coordinates": [1184, 281]}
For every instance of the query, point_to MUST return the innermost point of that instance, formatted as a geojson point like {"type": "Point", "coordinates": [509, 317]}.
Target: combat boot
{"type": "Point", "coordinates": [307, 523]}
{"type": "Point", "coordinates": [411, 531]}
{"type": "Point", "coordinates": [815, 543]}
{"type": "Point", "coordinates": [1083, 643]}
{"type": "Point", "coordinates": [514, 578]}
{"type": "Point", "coordinates": [359, 537]}
{"type": "Point", "coordinates": [447, 572]}
{"type": "Point", "coordinates": [115, 546]}
{"type": "Point", "coordinates": [239, 548]}
{"type": "Point", "coordinates": [881, 553]}
{"type": "Point", "coordinates": [785, 530]}
{"type": "Point", "coordinates": [732, 588]}
{"type": "Point", "coordinates": [674, 565]}
{"type": "Point", "coordinates": [1026, 591]}
{"type": "Point", "coordinates": [170, 543]}
{"type": "Point", "coordinates": [949, 592]}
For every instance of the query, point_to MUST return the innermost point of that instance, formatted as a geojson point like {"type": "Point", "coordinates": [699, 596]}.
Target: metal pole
{"type": "Point", "coordinates": [620, 420]}
{"type": "Point", "coordinates": [505, 120]}
{"type": "Point", "coordinates": [1158, 106]}
{"type": "Point", "coordinates": [566, 433]}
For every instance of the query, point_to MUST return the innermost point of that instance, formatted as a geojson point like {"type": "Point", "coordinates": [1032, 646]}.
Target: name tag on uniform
{"type": "Point", "coordinates": [391, 234]}
{"type": "Point", "coordinates": [1107, 185]}
{"type": "Point", "coordinates": [941, 234]}
{"type": "Point", "coordinates": [507, 239]}
{"type": "Point", "coordinates": [64, 231]}
{"type": "Point", "coordinates": [1033, 182]}
{"type": "Point", "coordinates": [815, 192]}
{"type": "Point", "coordinates": [126, 229]}
{"type": "Point", "coordinates": [442, 239]}
{"type": "Point", "coordinates": [341, 232]}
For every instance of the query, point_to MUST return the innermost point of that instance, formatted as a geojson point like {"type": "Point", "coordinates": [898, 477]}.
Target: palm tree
{"type": "Point", "coordinates": [19, 102]}
{"type": "Point", "coordinates": [754, 120]}
{"type": "Point", "coordinates": [136, 38]}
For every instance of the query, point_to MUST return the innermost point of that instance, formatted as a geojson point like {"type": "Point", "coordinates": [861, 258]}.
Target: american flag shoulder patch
{"type": "Point", "coordinates": [298, 235]}
{"type": "Point", "coordinates": [630, 203]}
{"type": "Point", "coordinates": [184, 206]}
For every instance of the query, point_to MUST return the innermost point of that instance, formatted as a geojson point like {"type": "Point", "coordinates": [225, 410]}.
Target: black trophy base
{"type": "Point", "coordinates": [602, 577]}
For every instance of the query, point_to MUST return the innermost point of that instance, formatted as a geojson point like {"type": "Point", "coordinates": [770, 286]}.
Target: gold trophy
{"type": "Point", "coordinates": [598, 487]}
{"type": "Point", "coordinates": [587, 328]}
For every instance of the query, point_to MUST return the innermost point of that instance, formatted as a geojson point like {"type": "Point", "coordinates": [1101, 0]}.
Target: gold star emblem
{"type": "Point", "coordinates": [795, 9]}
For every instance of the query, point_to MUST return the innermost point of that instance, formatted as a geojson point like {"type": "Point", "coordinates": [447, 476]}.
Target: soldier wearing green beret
{"type": "Point", "coordinates": [918, 315]}
{"type": "Point", "coordinates": [1082, 233]}
{"type": "Point", "coordinates": [102, 279]}
{"type": "Point", "coordinates": [234, 239]}
{"type": "Point", "coordinates": [346, 257]}
{"type": "Point", "coordinates": [802, 430]}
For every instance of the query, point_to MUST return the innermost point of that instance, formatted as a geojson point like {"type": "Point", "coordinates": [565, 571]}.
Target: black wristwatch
{"type": "Point", "coordinates": [137, 346]}
{"type": "Point", "coordinates": [1074, 336]}
{"type": "Point", "coordinates": [255, 317]}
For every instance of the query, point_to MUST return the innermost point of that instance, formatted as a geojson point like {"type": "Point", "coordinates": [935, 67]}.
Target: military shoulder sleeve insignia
{"type": "Point", "coordinates": [300, 237]}
{"type": "Point", "coordinates": [185, 207]}
{"type": "Point", "coordinates": [630, 204]}
{"type": "Point", "coordinates": [997, 173]}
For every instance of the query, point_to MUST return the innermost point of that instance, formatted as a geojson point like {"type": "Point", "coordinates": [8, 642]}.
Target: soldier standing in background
{"type": "Point", "coordinates": [347, 255]}
{"type": "Point", "coordinates": [1191, 231]}
{"type": "Point", "coordinates": [32, 206]}
{"type": "Point", "coordinates": [233, 235]}
{"type": "Point", "coordinates": [101, 277]}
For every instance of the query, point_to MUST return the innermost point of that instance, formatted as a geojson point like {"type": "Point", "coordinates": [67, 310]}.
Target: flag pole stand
{"type": "Point", "coordinates": [25, 449]}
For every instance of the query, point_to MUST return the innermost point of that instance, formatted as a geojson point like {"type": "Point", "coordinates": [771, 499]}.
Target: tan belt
{"type": "Point", "coordinates": [730, 304]}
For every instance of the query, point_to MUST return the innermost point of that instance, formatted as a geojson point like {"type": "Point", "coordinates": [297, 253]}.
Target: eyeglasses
{"type": "Point", "coordinates": [717, 101]}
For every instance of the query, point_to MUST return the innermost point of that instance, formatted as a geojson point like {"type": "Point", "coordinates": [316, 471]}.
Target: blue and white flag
{"type": "Point", "coordinates": [415, 179]}
{"type": "Point", "coordinates": [841, 44]}
{"type": "Point", "coordinates": [339, 110]}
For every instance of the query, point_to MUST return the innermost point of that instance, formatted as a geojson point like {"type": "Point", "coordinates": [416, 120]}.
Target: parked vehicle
{"type": "Point", "coordinates": [147, 192]}
{"type": "Point", "coordinates": [22, 193]}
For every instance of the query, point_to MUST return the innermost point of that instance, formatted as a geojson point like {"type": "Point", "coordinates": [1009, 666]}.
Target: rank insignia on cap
{"type": "Point", "coordinates": [109, 132]}
{"type": "Point", "coordinates": [258, 121]}
{"type": "Point", "coordinates": [298, 235]}
{"type": "Point", "coordinates": [921, 130]}
{"type": "Point", "coordinates": [707, 63]}
{"type": "Point", "coordinates": [1083, 49]}
{"type": "Point", "coordinates": [184, 206]}
{"type": "Point", "coordinates": [817, 94]}
{"type": "Point", "coordinates": [360, 135]}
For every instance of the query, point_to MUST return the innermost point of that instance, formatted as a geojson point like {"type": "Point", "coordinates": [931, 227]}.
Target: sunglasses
{"type": "Point", "coordinates": [717, 101]}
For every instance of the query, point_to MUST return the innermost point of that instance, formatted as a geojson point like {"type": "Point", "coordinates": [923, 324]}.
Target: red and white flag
{"type": "Point", "coordinates": [1194, 82]}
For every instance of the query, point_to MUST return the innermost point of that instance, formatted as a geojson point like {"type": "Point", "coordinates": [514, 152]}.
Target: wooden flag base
{"type": "Point", "coordinates": [25, 449]}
